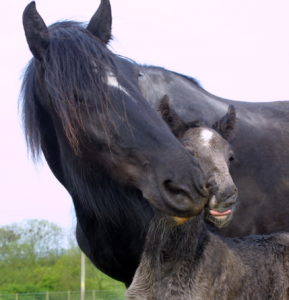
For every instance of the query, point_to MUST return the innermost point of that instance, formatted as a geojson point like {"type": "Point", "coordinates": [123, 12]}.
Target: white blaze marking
{"type": "Point", "coordinates": [112, 81]}
{"type": "Point", "coordinates": [206, 136]}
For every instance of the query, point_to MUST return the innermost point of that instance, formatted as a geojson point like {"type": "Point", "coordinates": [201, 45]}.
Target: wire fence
{"type": "Point", "coordinates": [69, 295]}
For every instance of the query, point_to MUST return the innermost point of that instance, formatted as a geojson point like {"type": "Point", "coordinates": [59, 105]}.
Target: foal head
{"type": "Point", "coordinates": [211, 148]}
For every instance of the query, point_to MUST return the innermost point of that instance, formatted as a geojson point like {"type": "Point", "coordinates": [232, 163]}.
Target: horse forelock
{"type": "Point", "coordinates": [75, 70]}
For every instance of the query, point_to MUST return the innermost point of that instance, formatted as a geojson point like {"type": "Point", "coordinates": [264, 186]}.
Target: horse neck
{"type": "Point", "coordinates": [186, 96]}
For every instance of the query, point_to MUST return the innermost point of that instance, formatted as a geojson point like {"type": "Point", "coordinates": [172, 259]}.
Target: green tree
{"type": "Point", "coordinates": [8, 242]}
{"type": "Point", "coordinates": [35, 257]}
{"type": "Point", "coordinates": [43, 237]}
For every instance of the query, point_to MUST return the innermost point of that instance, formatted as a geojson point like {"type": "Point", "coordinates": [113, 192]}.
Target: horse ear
{"type": "Point", "coordinates": [226, 125]}
{"type": "Point", "coordinates": [36, 31]}
{"type": "Point", "coordinates": [176, 124]}
{"type": "Point", "coordinates": [100, 23]}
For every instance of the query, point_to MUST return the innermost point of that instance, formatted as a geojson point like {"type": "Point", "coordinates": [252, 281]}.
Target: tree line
{"type": "Point", "coordinates": [35, 257]}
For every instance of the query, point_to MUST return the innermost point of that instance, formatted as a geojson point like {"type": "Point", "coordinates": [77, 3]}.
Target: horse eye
{"type": "Point", "coordinates": [231, 158]}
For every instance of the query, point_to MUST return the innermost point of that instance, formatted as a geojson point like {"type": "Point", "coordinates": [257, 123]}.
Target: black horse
{"type": "Point", "coordinates": [83, 108]}
{"type": "Point", "coordinates": [104, 162]}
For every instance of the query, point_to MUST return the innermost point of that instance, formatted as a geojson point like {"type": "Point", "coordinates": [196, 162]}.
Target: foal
{"type": "Point", "coordinates": [211, 148]}
{"type": "Point", "coordinates": [187, 261]}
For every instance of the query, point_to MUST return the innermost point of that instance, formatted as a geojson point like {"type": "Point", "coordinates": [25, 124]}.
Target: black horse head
{"type": "Point", "coordinates": [82, 104]}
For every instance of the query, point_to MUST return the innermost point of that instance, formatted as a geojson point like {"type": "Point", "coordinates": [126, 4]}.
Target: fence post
{"type": "Point", "coordinates": [47, 296]}
{"type": "Point", "coordinates": [68, 295]}
{"type": "Point", "coordinates": [82, 276]}
{"type": "Point", "coordinates": [93, 295]}
{"type": "Point", "coordinates": [16, 296]}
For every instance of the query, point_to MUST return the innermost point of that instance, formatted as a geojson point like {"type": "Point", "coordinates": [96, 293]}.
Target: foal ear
{"type": "Point", "coordinates": [226, 125]}
{"type": "Point", "coordinates": [176, 124]}
{"type": "Point", "coordinates": [36, 31]}
{"type": "Point", "coordinates": [100, 23]}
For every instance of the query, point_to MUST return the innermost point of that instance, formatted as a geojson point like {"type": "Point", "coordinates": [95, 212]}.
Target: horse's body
{"type": "Point", "coordinates": [261, 146]}
{"type": "Point", "coordinates": [112, 214]}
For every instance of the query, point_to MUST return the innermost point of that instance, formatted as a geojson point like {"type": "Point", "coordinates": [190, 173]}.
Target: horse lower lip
{"type": "Point", "coordinates": [216, 213]}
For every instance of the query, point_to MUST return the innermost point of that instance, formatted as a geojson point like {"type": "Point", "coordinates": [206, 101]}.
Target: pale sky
{"type": "Point", "coordinates": [237, 49]}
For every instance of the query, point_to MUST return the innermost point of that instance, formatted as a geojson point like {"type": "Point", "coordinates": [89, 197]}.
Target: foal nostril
{"type": "Point", "coordinates": [231, 199]}
{"type": "Point", "coordinates": [203, 191]}
{"type": "Point", "coordinates": [212, 186]}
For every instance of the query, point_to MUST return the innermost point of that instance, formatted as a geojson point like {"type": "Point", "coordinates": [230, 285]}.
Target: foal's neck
{"type": "Point", "coordinates": [171, 255]}
{"type": "Point", "coordinates": [168, 242]}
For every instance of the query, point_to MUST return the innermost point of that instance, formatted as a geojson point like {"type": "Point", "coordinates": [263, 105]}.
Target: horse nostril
{"type": "Point", "coordinates": [172, 188]}
{"type": "Point", "coordinates": [183, 200]}
{"type": "Point", "coordinates": [183, 192]}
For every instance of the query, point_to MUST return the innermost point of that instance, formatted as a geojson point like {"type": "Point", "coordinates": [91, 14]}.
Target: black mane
{"type": "Point", "coordinates": [75, 69]}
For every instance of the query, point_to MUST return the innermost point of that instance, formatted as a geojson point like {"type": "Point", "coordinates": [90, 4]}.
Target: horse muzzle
{"type": "Point", "coordinates": [220, 213]}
